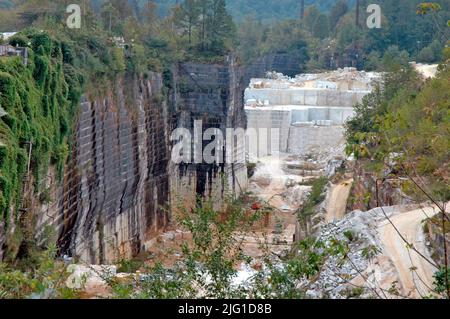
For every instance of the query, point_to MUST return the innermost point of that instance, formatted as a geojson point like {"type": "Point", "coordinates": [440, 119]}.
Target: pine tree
{"type": "Point", "coordinates": [321, 28]}
{"type": "Point", "coordinates": [311, 15]}
{"type": "Point", "coordinates": [204, 7]}
{"type": "Point", "coordinates": [150, 15]}
{"type": "Point", "coordinates": [123, 8]}
{"type": "Point", "coordinates": [358, 6]}
{"type": "Point", "coordinates": [187, 17]}
{"type": "Point", "coordinates": [302, 9]}
{"type": "Point", "coordinates": [109, 15]}
{"type": "Point", "coordinates": [221, 28]}
{"type": "Point", "coordinates": [338, 10]}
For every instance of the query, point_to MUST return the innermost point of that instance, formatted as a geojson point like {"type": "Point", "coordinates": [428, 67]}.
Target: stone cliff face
{"type": "Point", "coordinates": [119, 182]}
{"type": "Point", "coordinates": [214, 95]}
{"type": "Point", "coordinates": [280, 62]}
{"type": "Point", "coordinates": [366, 195]}
{"type": "Point", "coordinates": [116, 184]}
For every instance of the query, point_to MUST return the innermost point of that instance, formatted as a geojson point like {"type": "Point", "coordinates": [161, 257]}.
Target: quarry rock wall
{"type": "Point", "coordinates": [120, 183]}
{"type": "Point", "coordinates": [437, 239]}
{"type": "Point", "coordinates": [116, 185]}
{"type": "Point", "coordinates": [308, 110]}
{"type": "Point", "coordinates": [335, 115]}
{"type": "Point", "coordinates": [297, 130]}
{"type": "Point", "coordinates": [369, 192]}
{"type": "Point", "coordinates": [281, 62]}
{"type": "Point", "coordinates": [263, 122]}
{"type": "Point", "coordinates": [308, 97]}
{"type": "Point", "coordinates": [120, 180]}
{"type": "Point", "coordinates": [303, 138]}
{"type": "Point", "coordinates": [212, 94]}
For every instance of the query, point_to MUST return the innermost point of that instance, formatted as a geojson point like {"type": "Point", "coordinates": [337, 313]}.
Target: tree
{"type": "Point", "coordinates": [357, 11]}
{"type": "Point", "coordinates": [288, 36]}
{"type": "Point", "coordinates": [187, 17]}
{"type": "Point", "coordinates": [426, 55]}
{"type": "Point", "coordinates": [311, 15]}
{"type": "Point", "coordinates": [134, 5]}
{"type": "Point", "coordinates": [433, 8]}
{"type": "Point", "coordinates": [250, 34]}
{"type": "Point", "coordinates": [321, 27]}
{"type": "Point", "coordinates": [338, 10]}
{"type": "Point", "coordinates": [221, 28]}
{"type": "Point", "coordinates": [150, 16]}
{"type": "Point", "coordinates": [302, 9]}
{"type": "Point", "coordinates": [123, 8]}
{"type": "Point", "coordinates": [109, 15]}
{"type": "Point", "coordinates": [394, 58]}
{"type": "Point", "coordinates": [204, 7]}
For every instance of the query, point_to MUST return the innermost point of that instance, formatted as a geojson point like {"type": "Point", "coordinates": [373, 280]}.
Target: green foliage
{"type": "Point", "coordinates": [129, 266]}
{"type": "Point", "coordinates": [404, 34]}
{"type": "Point", "coordinates": [208, 26]}
{"type": "Point", "coordinates": [314, 198]}
{"type": "Point", "coordinates": [36, 100]}
{"type": "Point", "coordinates": [427, 7]}
{"type": "Point", "coordinates": [363, 130]}
{"type": "Point", "coordinates": [287, 36]}
{"type": "Point", "coordinates": [18, 40]}
{"type": "Point", "coordinates": [406, 123]}
{"type": "Point", "coordinates": [215, 246]}
{"type": "Point", "coordinates": [350, 235]}
{"type": "Point", "coordinates": [440, 283]}
{"type": "Point", "coordinates": [208, 266]}
{"type": "Point", "coordinates": [266, 11]}
{"type": "Point", "coordinates": [426, 55]}
{"type": "Point", "coordinates": [42, 99]}
{"type": "Point", "coordinates": [431, 53]}
{"type": "Point", "coordinates": [337, 12]}
{"type": "Point", "coordinates": [45, 278]}
{"type": "Point", "coordinates": [321, 28]}
{"type": "Point", "coordinates": [394, 58]}
{"type": "Point", "coordinates": [282, 280]}
{"type": "Point", "coordinates": [251, 169]}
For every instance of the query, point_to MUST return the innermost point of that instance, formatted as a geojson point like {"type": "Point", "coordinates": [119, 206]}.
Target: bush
{"type": "Point", "coordinates": [426, 55]}
{"type": "Point", "coordinates": [129, 266]}
{"type": "Point", "coordinates": [314, 198]}
{"type": "Point", "coordinates": [45, 279]}
{"type": "Point", "coordinates": [7, 91]}
{"type": "Point", "coordinates": [251, 169]}
{"type": "Point", "coordinates": [350, 235]}
{"type": "Point", "coordinates": [18, 40]}
{"type": "Point", "coordinates": [439, 280]}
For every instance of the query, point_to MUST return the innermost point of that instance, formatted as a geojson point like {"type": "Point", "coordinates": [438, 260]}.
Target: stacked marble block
{"type": "Point", "coordinates": [306, 118]}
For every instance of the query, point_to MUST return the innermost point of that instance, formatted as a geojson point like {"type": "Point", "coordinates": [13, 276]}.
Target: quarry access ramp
{"type": "Point", "coordinates": [415, 271]}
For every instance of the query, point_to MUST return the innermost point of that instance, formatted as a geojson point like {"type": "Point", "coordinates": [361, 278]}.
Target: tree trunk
{"type": "Point", "coordinates": [302, 9]}
{"type": "Point", "coordinates": [358, 5]}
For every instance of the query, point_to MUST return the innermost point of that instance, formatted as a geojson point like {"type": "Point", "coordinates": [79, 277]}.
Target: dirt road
{"type": "Point", "coordinates": [415, 274]}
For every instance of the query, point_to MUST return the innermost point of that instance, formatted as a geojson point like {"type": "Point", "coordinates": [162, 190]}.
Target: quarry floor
{"type": "Point", "coordinates": [282, 190]}
{"type": "Point", "coordinates": [272, 187]}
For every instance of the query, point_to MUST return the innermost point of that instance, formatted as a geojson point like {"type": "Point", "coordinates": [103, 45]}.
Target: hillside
{"type": "Point", "coordinates": [267, 11]}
